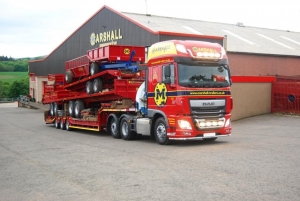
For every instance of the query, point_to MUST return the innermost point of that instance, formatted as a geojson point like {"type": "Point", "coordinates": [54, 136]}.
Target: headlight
{"type": "Point", "coordinates": [184, 124]}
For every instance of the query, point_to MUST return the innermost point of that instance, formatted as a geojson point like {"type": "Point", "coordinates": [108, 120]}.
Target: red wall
{"type": "Point", "coordinates": [250, 64]}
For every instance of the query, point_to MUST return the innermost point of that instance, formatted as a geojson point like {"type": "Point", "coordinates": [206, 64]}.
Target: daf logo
{"type": "Point", "coordinates": [208, 104]}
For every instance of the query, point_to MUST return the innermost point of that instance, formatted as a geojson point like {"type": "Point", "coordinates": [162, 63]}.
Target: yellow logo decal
{"type": "Point", "coordinates": [160, 94]}
{"type": "Point", "coordinates": [126, 51]}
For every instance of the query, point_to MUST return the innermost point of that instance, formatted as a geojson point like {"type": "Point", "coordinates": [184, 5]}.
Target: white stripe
{"type": "Point", "coordinates": [290, 40]}
{"type": "Point", "coordinates": [192, 30]}
{"type": "Point", "coordinates": [240, 37]}
{"type": "Point", "coordinates": [275, 41]}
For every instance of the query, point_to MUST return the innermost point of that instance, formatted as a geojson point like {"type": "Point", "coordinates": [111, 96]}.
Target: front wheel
{"type": "Point", "coordinates": [160, 131]}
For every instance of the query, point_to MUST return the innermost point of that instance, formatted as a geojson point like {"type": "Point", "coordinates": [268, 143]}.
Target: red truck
{"type": "Point", "coordinates": [181, 93]}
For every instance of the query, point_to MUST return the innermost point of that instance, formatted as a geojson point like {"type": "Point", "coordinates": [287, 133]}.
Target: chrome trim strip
{"type": "Point", "coordinates": [197, 138]}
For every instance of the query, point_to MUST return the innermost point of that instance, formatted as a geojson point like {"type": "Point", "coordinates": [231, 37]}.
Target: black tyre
{"type": "Point", "coordinates": [125, 130]}
{"type": "Point", "coordinates": [55, 108]}
{"type": "Point", "coordinates": [94, 69]}
{"type": "Point", "coordinates": [210, 139]}
{"type": "Point", "coordinates": [89, 87]}
{"type": "Point", "coordinates": [57, 124]}
{"type": "Point", "coordinates": [69, 77]}
{"type": "Point", "coordinates": [51, 109]}
{"type": "Point", "coordinates": [62, 124]}
{"type": "Point", "coordinates": [79, 106]}
{"type": "Point", "coordinates": [160, 131]}
{"type": "Point", "coordinates": [71, 108]}
{"type": "Point", "coordinates": [67, 125]}
{"type": "Point", "coordinates": [97, 85]}
{"type": "Point", "coordinates": [113, 128]}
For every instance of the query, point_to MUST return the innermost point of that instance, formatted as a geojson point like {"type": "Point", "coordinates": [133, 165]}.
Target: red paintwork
{"type": "Point", "coordinates": [111, 53]}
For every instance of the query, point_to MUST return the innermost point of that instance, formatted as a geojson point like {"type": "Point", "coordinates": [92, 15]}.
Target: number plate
{"type": "Point", "coordinates": [209, 135]}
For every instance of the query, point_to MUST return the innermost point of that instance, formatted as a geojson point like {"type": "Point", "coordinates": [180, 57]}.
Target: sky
{"type": "Point", "coordinates": [34, 28]}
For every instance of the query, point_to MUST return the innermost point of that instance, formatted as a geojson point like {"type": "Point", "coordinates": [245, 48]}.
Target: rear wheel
{"type": "Point", "coordinates": [62, 124]}
{"type": "Point", "coordinates": [125, 130]}
{"type": "Point", "coordinates": [79, 106]}
{"type": "Point", "coordinates": [68, 76]}
{"type": "Point", "coordinates": [160, 131]}
{"type": "Point", "coordinates": [97, 85]}
{"type": "Point", "coordinates": [94, 69]}
{"type": "Point", "coordinates": [89, 87]}
{"type": "Point", "coordinates": [57, 125]}
{"type": "Point", "coordinates": [67, 125]}
{"type": "Point", "coordinates": [113, 128]}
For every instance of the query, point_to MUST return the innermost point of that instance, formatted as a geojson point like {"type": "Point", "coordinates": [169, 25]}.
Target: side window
{"type": "Point", "coordinates": [172, 77]}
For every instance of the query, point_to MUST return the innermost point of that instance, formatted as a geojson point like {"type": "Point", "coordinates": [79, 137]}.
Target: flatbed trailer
{"type": "Point", "coordinates": [104, 91]}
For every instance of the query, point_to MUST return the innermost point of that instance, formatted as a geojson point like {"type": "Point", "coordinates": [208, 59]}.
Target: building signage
{"type": "Point", "coordinates": [107, 37]}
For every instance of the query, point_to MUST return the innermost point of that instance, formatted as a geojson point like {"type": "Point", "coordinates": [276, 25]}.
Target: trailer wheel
{"type": "Point", "coordinates": [97, 85]}
{"type": "Point", "coordinates": [57, 125]}
{"type": "Point", "coordinates": [55, 108]}
{"type": "Point", "coordinates": [113, 129]}
{"type": "Point", "coordinates": [94, 68]}
{"type": "Point", "coordinates": [62, 124]}
{"type": "Point", "coordinates": [160, 131]}
{"type": "Point", "coordinates": [71, 108]}
{"type": "Point", "coordinates": [67, 125]}
{"type": "Point", "coordinates": [68, 76]}
{"type": "Point", "coordinates": [89, 87]}
{"type": "Point", "coordinates": [125, 130]}
{"type": "Point", "coordinates": [79, 106]}
{"type": "Point", "coordinates": [51, 109]}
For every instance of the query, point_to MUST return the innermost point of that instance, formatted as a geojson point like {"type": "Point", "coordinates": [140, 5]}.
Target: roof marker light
{"type": "Point", "coordinates": [181, 48]}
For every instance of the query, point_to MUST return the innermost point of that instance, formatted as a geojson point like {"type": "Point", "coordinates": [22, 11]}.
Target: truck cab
{"type": "Point", "coordinates": [188, 85]}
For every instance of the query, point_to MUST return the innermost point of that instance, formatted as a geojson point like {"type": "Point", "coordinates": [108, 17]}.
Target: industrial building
{"type": "Point", "coordinates": [252, 51]}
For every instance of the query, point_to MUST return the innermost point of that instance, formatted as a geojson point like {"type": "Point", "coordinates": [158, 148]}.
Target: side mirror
{"type": "Point", "coordinates": [167, 80]}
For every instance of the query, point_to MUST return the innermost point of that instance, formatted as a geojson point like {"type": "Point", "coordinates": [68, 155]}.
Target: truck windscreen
{"type": "Point", "coordinates": [203, 76]}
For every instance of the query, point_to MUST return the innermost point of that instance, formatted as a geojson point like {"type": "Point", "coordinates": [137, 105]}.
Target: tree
{"type": "Point", "coordinates": [4, 89]}
{"type": "Point", "coordinates": [19, 87]}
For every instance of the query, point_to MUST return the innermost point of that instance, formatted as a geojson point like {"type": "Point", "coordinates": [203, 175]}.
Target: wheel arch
{"type": "Point", "coordinates": [153, 120]}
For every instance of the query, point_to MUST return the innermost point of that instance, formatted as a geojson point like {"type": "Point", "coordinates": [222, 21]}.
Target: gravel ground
{"type": "Point", "coordinates": [260, 161]}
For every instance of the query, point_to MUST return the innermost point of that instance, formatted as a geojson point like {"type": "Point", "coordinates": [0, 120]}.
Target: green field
{"type": "Point", "coordinates": [12, 76]}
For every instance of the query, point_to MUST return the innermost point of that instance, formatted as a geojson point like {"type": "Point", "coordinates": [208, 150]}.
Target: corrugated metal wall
{"type": "Point", "coordinates": [79, 42]}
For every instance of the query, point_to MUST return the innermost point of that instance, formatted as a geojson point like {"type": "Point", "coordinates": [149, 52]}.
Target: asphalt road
{"type": "Point", "coordinates": [260, 161]}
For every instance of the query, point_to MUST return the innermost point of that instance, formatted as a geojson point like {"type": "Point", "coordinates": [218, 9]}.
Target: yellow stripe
{"type": "Point", "coordinates": [83, 128]}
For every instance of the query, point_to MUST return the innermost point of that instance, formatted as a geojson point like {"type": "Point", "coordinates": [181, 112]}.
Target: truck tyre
{"type": "Point", "coordinates": [57, 125]}
{"type": "Point", "coordinates": [97, 85]}
{"type": "Point", "coordinates": [89, 87]}
{"type": "Point", "coordinates": [71, 108]}
{"type": "Point", "coordinates": [68, 125]}
{"type": "Point", "coordinates": [113, 128]}
{"type": "Point", "coordinates": [55, 108]}
{"type": "Point", "coordinates": [125, 130]}
{"type": "Point", "coordinates": [62, 124]}
{"type": "Point", "coordinates": [79, 106]}
{"type": "Point", "coordinates": [94, 69]}
{"type": "Point", "coordinates": [68, 76]}
{"type": "Point", "coordinates": [51, 109]}
{"type": "Point", "coordinates": [160, 131]}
